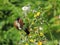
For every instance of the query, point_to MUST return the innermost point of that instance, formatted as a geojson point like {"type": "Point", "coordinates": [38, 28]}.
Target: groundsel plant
{"type": "Point", "coordinates": [26, 9]}
{"type": "Point", "coordinates": [59, 16]}
{"type": "Point", "coordinates": [59, 42]}
{"type": "Point", "coordinates": [34, 11]}
{"type": "Point", "coordinates": [40, 28]}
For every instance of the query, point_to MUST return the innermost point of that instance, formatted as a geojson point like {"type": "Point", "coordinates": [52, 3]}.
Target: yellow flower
{"type": "Point", "coordinates": [39, 43]}
{"type": "Point", "coordinates": [26, 44]}
{"type": "Point", "coordinates": [35, 16]}
{"type": "Point", "coordinates": [41, 34]}
{"type": "Point", "coordinates": [38, 13]}
{"type": "Point", "coordinates": [31, 40]}
{"type": "Point", "coordinates": [32, 23]}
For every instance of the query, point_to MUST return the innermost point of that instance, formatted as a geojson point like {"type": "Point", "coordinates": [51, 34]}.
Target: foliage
{"type": "Point", "coordinates": [43, 20]}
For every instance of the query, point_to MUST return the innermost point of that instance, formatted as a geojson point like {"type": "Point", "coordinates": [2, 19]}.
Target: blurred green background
{"type": "Point", "coordinates": [45, 27]}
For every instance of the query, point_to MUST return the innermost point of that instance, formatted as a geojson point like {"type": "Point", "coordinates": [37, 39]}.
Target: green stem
{"type": "Point", "coordinates": [50, 33]}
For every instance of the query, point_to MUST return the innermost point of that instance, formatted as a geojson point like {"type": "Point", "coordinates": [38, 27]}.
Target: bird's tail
{"type": "Point", "coordinates": [27, 31]}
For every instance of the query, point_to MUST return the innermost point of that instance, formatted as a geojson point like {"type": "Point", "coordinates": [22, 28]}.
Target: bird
{"type": "Point", "coordinates": [19, 24]}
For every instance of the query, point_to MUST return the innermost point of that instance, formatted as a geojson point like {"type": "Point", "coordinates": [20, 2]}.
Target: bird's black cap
{"type": "Point", "coordinates": [18, 18]}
